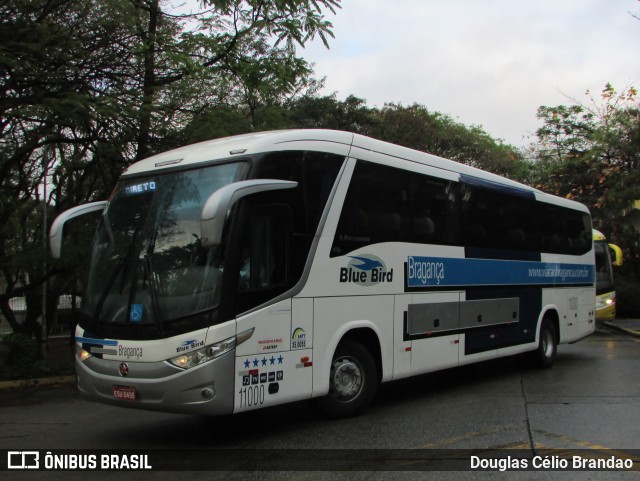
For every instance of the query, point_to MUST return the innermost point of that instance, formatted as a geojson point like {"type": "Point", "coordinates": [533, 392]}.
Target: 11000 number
{"type": "Point", "coordinates": [251, 396]}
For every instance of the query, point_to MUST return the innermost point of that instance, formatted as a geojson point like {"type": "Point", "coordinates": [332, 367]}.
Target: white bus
{"type": "Point", "coordinates": [260, 269]}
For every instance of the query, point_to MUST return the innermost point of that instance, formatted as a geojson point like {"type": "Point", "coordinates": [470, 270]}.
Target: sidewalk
{"type": "Point", "coordinates": [628, 326]}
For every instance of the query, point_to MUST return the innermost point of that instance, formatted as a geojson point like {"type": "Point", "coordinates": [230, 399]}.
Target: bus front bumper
{"type": "Point", "coordinates": [606, 307]}
{"type": "Point", "coordinates": [206, 389]}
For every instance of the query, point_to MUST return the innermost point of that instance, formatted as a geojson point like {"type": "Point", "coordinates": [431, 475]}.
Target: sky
{"type": "Point", "coordinates": [490, 63]}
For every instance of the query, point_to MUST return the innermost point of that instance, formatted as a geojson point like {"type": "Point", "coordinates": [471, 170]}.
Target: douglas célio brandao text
{"type": "Point", "coordinates": [554, 463]}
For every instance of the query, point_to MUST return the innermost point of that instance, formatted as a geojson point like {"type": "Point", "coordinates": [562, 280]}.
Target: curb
{"type": "Point", "coordinates": [45, 381]}
{"type": "Point", "coordinates": [624, 330]}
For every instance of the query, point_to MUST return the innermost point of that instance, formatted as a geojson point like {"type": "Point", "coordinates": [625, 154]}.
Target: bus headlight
{"type": "Point", "coordinates": [610, 300]}
{"type": "Point", "coordinates": [82, 354]}
{"type": "Point", "coordinates": [208, 353]}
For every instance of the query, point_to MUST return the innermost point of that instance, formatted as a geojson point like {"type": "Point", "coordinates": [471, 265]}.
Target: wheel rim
{"type": "Point", "coordinates": [547, 344]}
{"type": "Point", "coordinates": [346, 380]}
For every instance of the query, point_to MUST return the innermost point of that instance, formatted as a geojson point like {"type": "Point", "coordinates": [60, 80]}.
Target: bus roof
{"type": "Point", "coordinates": [227, 148]}
{"type": "Point", "coordinates": [333, 141]}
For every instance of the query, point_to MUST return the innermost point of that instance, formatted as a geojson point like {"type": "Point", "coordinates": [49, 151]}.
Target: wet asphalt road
{"type": "Point", "coordinates": [589, 400]}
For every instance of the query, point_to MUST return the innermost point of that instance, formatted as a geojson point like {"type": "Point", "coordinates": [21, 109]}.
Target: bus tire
{"type": "Point", "coordinates": [545, 355]}
{"type": "Point", "coordinates": [353, 381]}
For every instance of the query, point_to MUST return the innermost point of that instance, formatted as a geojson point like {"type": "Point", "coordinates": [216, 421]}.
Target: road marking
{"type": "Point", "coordinates": [584, 444]}
{"type": "Point", "coordinates": [470, 435]}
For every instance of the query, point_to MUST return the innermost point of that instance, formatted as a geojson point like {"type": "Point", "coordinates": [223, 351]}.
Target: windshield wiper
{"type": "Point", "coordinates": [107, 289]}
{"type": "Point", "coordinates": [153, 290]}
{"type": "Point", "coordinates": [114, 275]}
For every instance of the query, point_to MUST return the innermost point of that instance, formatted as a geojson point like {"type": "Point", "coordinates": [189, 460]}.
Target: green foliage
{"type": "Point", "coordinates": [627, 294]}
{"type": "Point", "coordinates": [22, 356]}
{"type": "Point", "coordinates": [590, 152]}
{"type": "Point", "coordinates": [418, 128]}
{"type": "Point", "coordinates": [90, 87]}
{"type": "Point", "coordinates": [414, 127]}
{"type": "Point", "coordinates": [215, 123]}
{"type": "Point", "coordinates": [351, 114]}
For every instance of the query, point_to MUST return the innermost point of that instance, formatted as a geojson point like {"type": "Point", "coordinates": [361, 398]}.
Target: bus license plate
{"type": "Point", "coordinates": [125, 393]}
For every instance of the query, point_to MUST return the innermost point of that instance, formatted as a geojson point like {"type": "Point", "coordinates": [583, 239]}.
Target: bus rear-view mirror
{"type": "Point", "coordinates": [217, 207]}
{"type": "Point", "coordinates": [55, 234]}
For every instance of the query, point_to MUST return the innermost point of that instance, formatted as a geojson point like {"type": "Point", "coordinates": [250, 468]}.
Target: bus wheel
{"type": "Point", "coordinates": [353, 381]}
{"type": "Point", "coordinates": [545, 355]}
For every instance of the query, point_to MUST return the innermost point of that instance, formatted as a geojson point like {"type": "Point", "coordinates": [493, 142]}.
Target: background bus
{"type": "Point", "coordinates": [261, 269]}
{"type": "Point", "coordinates": [607, 256]}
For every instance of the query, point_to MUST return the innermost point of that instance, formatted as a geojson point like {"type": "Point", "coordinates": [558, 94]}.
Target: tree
{"type": "Point", "coordinates": [47, 110]}
{"type": "Point", "coordinates": [590, 152]}
{"type": "Point", "coordinates": [351, 114]}
{"type": "Point", "coordinates": [241, 52]}
{"type": "Point", "coordinates": [414, 127]}
{"type": "Point", "coordinates": [418, 128]}
{"type": "Point", "coordinates": [87, 88]}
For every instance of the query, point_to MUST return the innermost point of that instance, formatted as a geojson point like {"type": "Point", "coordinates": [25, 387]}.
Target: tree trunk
{"type": "Point", "coordinates": [149, 81]}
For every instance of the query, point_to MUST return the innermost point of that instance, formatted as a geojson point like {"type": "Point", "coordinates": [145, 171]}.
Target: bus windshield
{"type": "Point", "coordinates": [604, 271]}
{"type": "Point", "coordinates": [148, 266]}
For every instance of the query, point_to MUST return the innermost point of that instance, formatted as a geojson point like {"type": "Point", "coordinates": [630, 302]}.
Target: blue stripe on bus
{"type": "Point", "coordinates": [448, 272]}
{"type": "Point", "coordinates": [100, 342]}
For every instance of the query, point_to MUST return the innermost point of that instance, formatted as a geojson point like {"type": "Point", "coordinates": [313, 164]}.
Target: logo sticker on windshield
{"type": "Point", "coordinates": [135, 314]}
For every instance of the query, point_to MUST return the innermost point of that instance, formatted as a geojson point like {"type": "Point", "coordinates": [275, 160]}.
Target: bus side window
{"type": "Point", "coordinates": [265, 256]}
{"type": "Point", "coordinates": [385, 204]}
{"type": "Point", "coordinates": [315, 173]}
